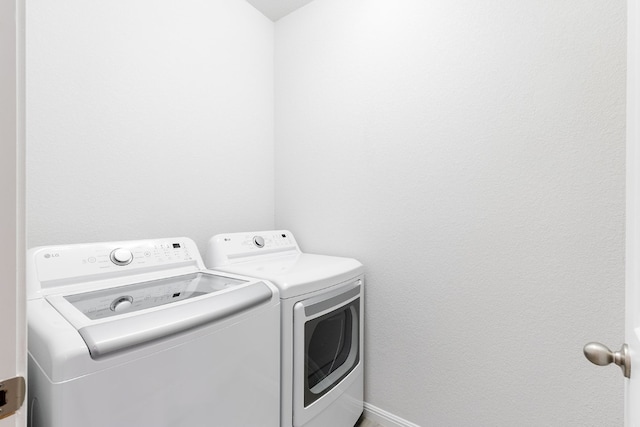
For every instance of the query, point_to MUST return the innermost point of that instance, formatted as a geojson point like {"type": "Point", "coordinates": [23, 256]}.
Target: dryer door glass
{"type": "Point", "coordinates": [331, 349]}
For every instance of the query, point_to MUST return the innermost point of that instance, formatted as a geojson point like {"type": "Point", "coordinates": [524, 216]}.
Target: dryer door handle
{"type": "Point", "coordinates": [108, 337]}
{"type": "Point", "coordinates": [330, 300]}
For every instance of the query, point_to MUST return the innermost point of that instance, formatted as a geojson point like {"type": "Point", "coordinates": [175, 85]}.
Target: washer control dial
{"type": "Point", "coordinates": [258, 241]}
{"type": "Point", "coordinates": [121, 303]}
{"type": "Point", "coordinates": [121, 256]}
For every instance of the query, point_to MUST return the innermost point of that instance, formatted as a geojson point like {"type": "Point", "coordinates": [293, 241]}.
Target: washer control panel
{"type": "Point", "coordinates": [55, 263]}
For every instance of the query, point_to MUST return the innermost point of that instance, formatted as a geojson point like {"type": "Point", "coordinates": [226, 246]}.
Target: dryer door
{"type": "Point", "coordinates": [326, 343]}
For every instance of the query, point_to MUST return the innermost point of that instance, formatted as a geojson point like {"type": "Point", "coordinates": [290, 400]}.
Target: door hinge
{"type": "Point", "coordinates": [12, 393]}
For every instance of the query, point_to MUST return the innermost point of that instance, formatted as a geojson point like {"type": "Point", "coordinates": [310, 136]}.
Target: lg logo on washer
{"type": "Point", "coordinates": [54, 255]}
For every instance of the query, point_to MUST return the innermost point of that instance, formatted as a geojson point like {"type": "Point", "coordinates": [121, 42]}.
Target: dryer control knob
{"type": "Point", "coordinates": [258, 241]}
{"type": "Point", "coordinates": [121, 256]}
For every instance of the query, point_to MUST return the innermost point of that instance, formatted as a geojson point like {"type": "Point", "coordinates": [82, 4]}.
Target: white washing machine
{"type": "Point", "coordinates": [322, 323]}
{"type": "Point", "coordinates": [139, 333]}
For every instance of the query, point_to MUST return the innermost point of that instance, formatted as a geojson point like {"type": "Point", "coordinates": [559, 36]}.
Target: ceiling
{"type": "Point", "coordinates": [276, 9]}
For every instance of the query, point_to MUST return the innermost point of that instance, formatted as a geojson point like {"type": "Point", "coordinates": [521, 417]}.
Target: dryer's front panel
{"type": "Point", "coordinates": [327, 348]}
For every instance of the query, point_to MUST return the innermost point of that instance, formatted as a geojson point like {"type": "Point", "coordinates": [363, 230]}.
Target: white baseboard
{"type": "Point", "coordinates": [384, 418]}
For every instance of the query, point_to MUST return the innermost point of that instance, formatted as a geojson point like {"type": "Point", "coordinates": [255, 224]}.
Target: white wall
{"type": "Point", "coordinates": [471, 154]}
{"type": "Point", "coordinates": [147, 119]}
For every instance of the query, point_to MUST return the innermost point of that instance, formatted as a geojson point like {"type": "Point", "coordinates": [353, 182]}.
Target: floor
{"type": "Point", "coordinates": [367, 423]}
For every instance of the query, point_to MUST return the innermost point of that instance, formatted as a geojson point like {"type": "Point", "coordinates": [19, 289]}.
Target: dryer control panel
{"type": "Point", "coordinates": [227, 249]}
{"type": "Point", "coordinates": [73, 263]}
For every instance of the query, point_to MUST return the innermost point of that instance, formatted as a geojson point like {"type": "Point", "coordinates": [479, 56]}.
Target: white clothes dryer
{"type": "Point", "coordinates": [322, 323]}
{"type": "Point", "coordinates": [140, 333]}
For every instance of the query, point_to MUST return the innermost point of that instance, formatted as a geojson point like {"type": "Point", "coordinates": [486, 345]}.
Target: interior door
{"type": "Point", "coordinates": [628, 357]}
{"type": "Point", "coordinates": [632, 320]}
{"type": "Point", "coordinates": [13, 346]}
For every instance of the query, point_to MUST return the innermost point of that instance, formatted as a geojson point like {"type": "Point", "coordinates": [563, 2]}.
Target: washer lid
{"type": "Point", "coordinates": [301, 273]}
{"type": "Point", "coordinates": [115, 319]}
{"type": "Point", "coordinates": [110, 302]}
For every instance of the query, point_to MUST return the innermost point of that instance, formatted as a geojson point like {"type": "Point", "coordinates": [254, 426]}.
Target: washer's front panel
{"type": "Point", "coordinates": [207, 381]}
